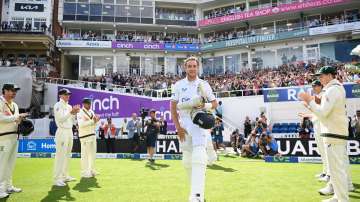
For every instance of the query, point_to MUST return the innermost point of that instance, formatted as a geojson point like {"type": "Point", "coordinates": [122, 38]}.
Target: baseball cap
{"type": "Point", "coordinates": [326, 70]}
{"type": "Point", "coordinates": [87, 100]}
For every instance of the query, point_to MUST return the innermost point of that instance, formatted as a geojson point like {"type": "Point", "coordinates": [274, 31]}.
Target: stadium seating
{"type": "Point", "coordinates": [285, 127]}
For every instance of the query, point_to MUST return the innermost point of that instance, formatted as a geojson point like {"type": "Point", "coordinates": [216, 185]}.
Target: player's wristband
{"type": "Point", "coordinates": [208, 106]}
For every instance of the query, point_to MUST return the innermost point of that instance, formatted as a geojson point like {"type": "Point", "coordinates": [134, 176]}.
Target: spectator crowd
{"type": "Point", "coordinates": [253, 31]}
{"type": "Point", "coordinates": [157, 37]}
{"type": "Point", "coordinates": [175, 14]}
{"type": "Point", "coordinates": [14, 26]}
{"type": "Point", "coordinates": [248, 82]}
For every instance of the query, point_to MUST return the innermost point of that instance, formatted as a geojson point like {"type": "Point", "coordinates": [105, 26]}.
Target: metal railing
{"type": "Point", "coordinates": [113, 37]}
{"type": "Point", "coordinates": [156, 93]}
{"type": "Point", "coordinates": [278, 31]}
{"type": "Point", "coordinates": [234, 11]}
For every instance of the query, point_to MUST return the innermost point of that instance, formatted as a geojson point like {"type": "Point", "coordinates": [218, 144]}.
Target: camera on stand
{"type": "Point", "coordinates": [144, 112]}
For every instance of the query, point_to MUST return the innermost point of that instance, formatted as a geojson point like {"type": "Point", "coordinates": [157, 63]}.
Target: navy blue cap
{"type": "Point", "coordinates": [64, 91]}
{"type": "Point", "coordinates": [316, 83]}
{"type": "Point", "coordinates": [87, 100]}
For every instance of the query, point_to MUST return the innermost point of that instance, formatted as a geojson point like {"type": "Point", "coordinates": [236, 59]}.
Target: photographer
{"type": "Point", "coordinates": [217, 134]}
{"type": "Point", "coordinates": [237, 141]}
{"type": "Point", "coordinates": [263, 120]}
{"type": "Point", "coordinates": [247, 127]}
{"type": "Point", "coordinates": [268, 145]}
{"type": "Point", "coordinates": [251, 147]}
{"type": "Point", "coordinates": [163, 126]}
{"type": "Point", "coordinates": [306, 127]}
{"type": "Point", "coordinates": [152, 129]}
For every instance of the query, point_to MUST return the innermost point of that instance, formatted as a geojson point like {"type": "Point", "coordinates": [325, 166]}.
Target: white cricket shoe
{"type": "Point", "coordinates": [3, 195]}
{"type": "Point", "coordinates": [212, 159]}
{"type": "Point", "coordinates": [13, 189]}
{"type": "Point", "coordinates": [196, 199]}
{"type": "Point", "coordinates": [328, 190]}
{"type": "Point", "coordinates": [330, 200]}
{"type": "Point", "coordinates": [94, 173]}
{"type": "Point", "coordinates": [69, 179]}
{"type": "Point", "coordinates": [320, 175]}
{"type": "Point", "coordinates": [87, 176]}
{"type": "Point", "coordinates": [326, 178]}
{"type": "Point", "coordinates": [351, 187]}
{"type": "Point", "coordinates": [59, 183]}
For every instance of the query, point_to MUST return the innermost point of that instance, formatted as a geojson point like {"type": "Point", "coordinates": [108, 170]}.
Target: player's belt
{"type": "Point", "coordinates": [334, 136]}
{"type": "Point", "coordinates": [87, 135]}
{"type": "Point", "coordinates": [9, 133]}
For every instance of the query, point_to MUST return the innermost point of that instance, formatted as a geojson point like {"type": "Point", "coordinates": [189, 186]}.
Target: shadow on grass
{"type": "Point", "coordinates": [85, 184]}
{"type": "Point", "coordinates": [58, 193]}
{"type": "Point", "coordinates": [137, 159]}
{"type": "Point", "coordinates": [354, 196]}
{"type": "Point", "coordinates": [357, 188]}
{"type": "Point", "coordinates": [229, 156]}
{"type": "Point", "coordinates": [156, 166]}
{"type": "Point", "coordinates": [218, 167]}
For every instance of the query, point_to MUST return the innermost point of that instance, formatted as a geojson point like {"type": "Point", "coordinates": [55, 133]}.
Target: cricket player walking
{"type": "Point", "coordinates": [188, 95]}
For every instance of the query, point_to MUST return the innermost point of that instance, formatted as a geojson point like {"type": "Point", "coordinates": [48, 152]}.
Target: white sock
{"type": "Point", "coordinates": [198, 181]}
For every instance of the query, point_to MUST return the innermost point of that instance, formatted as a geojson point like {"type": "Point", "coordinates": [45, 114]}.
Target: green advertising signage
{"type": "Point", "coordinates": [255, 39]}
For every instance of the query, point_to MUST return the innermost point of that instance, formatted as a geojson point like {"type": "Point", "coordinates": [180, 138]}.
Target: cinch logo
{"type": "Point", "coordinates": [125, 45]}
{"type": "Point", "coordinates": [151, 46]}
{"type": "Point", "coordinates": [356, 91]}
{"type": "Point", "coordinates": [106, 104]}
{"type": "Point", "coordinates": [31, 146]}
{"type": "Point", "coordinates": [166, 114]}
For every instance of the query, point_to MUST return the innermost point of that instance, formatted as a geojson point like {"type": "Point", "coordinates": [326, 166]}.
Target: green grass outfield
{"type": "Point", "coordinates": [231, 179]}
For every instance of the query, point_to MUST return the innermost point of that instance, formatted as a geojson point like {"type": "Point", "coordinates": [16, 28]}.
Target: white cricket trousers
{"type": "Point", "coordinates": [195, 158]}
{"type": "Point", "coordinates": [338, 166]}
{"type": "Point", "coordinates": [64, 144]}
{"type": "Point", "coordinates": [321, 150]}
{"type": "Point", "coordinates": [88, 155]}
{"type": "Point", "coordinates": [8, 152]}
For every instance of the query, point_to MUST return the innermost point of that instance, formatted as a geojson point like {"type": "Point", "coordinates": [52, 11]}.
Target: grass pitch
{"type": "Point", "coordinates": [231, 179]}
